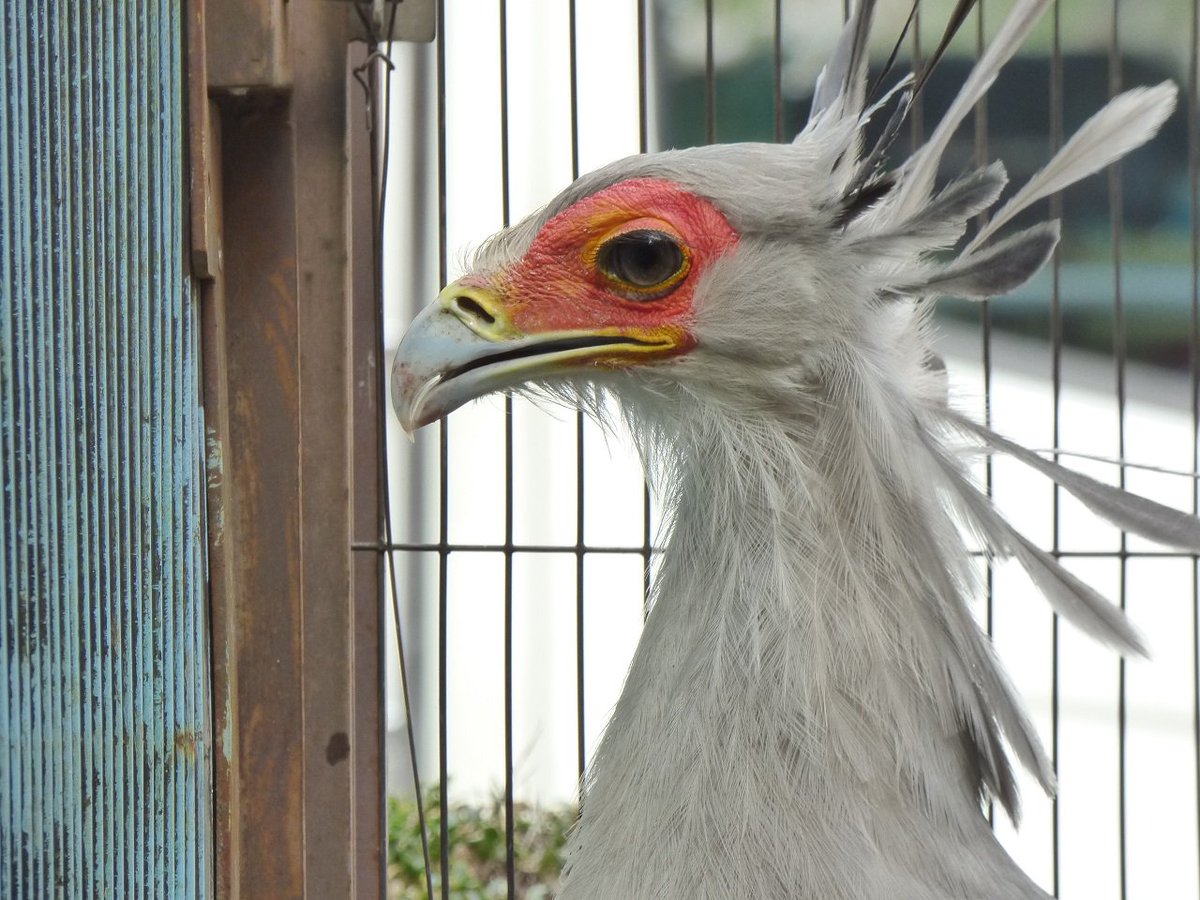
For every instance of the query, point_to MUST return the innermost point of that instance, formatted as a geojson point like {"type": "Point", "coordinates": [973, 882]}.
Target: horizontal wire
{"type": "Point", "coordinates": [382, 547]}
{"type": "Point", "coordinates": [638, 550]}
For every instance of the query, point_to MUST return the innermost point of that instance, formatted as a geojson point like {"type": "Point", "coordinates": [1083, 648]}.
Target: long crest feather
{"type": "Point", "coordinates": [942, 220]}
{"type": "Point", "coordinates": [954, 22]}
{"type": "Point", "coordinates": [919, 172]}
{"type": "Point", "coordinates": [1125, 123]}
{"type": "Point", "coordinates": [843, 79]}
{"type": "Point", "coordinates": [1126, 510]}
{"type": "Point", "coordinates": [1070, 597]}
{"type": "Point", "coordinates": [895, 51]}
{"type": "Point", "coordinates": [994, 270]}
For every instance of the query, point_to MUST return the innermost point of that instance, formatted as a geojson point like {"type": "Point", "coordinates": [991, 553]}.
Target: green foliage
{"type": "Point", "coordinates": [477, 848]}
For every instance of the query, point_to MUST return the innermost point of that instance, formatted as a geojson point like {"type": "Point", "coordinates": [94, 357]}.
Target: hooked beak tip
{"type": "Point", "coordinates": [410, 392]}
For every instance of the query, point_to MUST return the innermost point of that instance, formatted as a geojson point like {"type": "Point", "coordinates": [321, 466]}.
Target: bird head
{"type": "Point", "coordinates": [764, 279]}
{"type": "Point", "coordinates": [706, 270]}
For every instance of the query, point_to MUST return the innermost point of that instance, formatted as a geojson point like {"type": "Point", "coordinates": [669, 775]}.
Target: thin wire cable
{"type": "Point", "coordinates": [916, 114]}
{"type": "Point", "coordinates": [375, 547]}
{"type": "Point", "coordinates": [985, 324]}
{"type": "Point", "coordinates": [1056, 340]}
{"type": "Point", "coordinates": [643, 79]}
{"type": "Point", "coordinates": [643, 147]}
{"type": "Point", "coordinates": [580, 734]}
{"type": "Point", "coordinates": [379, 159]}
{"type": "Point", "coordinates": [778, 70]}
{"type": "Point", "coordinates": [443, 482]}
{"type": "Point", "coordinates": [439, 546]}
{"type": "Point", "coordinates": [1119, 351]}
{"type": "Point", "coordinates": [510, 856]}
{"type": "Point", "coordinates": [1193, 151]}
{"type": "Point", "coordinates": [710, 77]}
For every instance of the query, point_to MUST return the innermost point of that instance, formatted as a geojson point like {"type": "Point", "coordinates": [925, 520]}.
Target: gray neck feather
{"type": "Point", "coordinates": [788, 727]}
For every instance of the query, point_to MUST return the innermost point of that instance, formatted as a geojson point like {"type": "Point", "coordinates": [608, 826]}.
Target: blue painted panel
{"type": "Point", "coordinates": [104, 734]}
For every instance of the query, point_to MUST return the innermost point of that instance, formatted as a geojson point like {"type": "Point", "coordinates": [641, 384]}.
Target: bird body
{"type": "Point", "coordinates": [784, 644]}
{"type": "Point", "coordinates": [812, 710]}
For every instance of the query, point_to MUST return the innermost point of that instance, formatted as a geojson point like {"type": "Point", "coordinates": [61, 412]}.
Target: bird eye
{"type": "Point", "coordinates": [647, 263]}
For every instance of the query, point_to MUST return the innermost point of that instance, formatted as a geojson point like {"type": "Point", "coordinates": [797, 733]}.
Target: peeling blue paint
{"type": "Point", "coordinates": [105, 740]}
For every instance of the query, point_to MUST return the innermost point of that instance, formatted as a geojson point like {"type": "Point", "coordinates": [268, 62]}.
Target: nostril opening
{"type": "Point", "coordinates": [472, 307]}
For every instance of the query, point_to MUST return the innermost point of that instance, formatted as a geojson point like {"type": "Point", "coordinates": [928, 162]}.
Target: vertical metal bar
{"type": "Point", "coordinates": [111, 443]}
{"type": "Point", "coordinates": [147, 608]}
{"type": "Point", "coordinates": [119, 460]}
{"type": "Point", "coordinates": [29, 788]}
{"type": "Point", "coordinates": [333, 764]}
{"type": "Point", "coordinates": [710, 77]}
{"type": "Point", "coordinates": [443, 483]}
{"type": "Point", "coordinates": [643, 147]}
{"type": "Point", "coordinates": [115, 764]}
{"type": "Point", "coordinates": [777, 74]}
{"type": "Point", "coordinates": [129, 151]}
{"type": "Point", "coordinates": [89, 451]}
{"type": "Point", "coordinates": [1056, 341]}
{"type": "Point", "coordinates": [51, 613]}
{"type": "Point", "coordinates": [379, 174]}
{"type": "Point", "coordinates": [1119, 351]}
{"type": "Point", "coordinates": [142, 874]}
{"type": "Point", "coordinates": [443, 619]}
{"type": "Point", "coordinates": [139, 476]}
{"type": "Point", "coordinates": [262, 459]}
{"type": "Point", "coordinates": [40, 611]}
{"type": "Point", "coordinates": [8, 276]}
{"type": "Point", "coordinates": [580, 733]}
{"type": "Point", "coordinates": [505, 200]}
{"type": "Point", "coordinates": [1193, 161]}
{"type": "Point", "coordinates": [34, 402]}
{"type": "Point", "coordinates": [916, 115]}
{"type": "Point", "coordinates": [145, 398]}
{"type": "Point", "coordinates": [93, 454]}
{"type": "Point", "coordinates": [985, 324]}
{"type": "Point", "coordinates": [73, 491]}
{"type": "Point", "coordinates": [165, 506]}
{"type": "Point", "coordinates": [62, 756]}
{"type": "Point", "coordinates": [14, 221]}
{"type": "Point", "coordinates": [643, 86]}
{"type": "Point", "coordinates": [169, 504]}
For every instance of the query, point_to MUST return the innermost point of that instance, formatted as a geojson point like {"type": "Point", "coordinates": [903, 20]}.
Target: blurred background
{"type": "Point", "coordinates": [526, 540]}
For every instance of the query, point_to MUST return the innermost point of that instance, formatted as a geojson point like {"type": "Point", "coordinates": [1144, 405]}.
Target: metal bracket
{"type": "Point", "coordinates": [415, 20]}
{"type": "Point", "coordinates": [204, 154]}
{"type": "Point", "coordinates": [247, 46]}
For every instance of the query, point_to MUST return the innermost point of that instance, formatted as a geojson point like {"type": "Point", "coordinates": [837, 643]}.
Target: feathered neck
{"type": "Point", "coordinates": [791, 725]}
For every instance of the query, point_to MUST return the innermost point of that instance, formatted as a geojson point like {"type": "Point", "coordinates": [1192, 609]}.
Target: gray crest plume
{"type": "Point", "coordinates": [812, 710]}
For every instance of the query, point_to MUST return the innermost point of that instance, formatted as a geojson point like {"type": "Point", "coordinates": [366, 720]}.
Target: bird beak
{"type": "Point", "coordinates": [457, 348]}
{"type": "Point", "coordinates": [464, 345]}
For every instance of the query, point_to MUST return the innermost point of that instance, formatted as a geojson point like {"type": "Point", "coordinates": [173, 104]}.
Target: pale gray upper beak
{"type": "Point", "coordinates": [440, 365]}
{"type": "Point", "coordinates": [463, 346]}
{"type": "Point", "coordinates": [442, 362]}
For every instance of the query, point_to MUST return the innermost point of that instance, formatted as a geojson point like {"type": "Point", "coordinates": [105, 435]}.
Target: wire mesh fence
{"type": "Point", "coordinates": [523, 540]}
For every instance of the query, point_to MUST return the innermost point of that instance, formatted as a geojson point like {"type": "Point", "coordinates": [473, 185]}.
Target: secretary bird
{"type": "Point", "coordinates": [811, 711]}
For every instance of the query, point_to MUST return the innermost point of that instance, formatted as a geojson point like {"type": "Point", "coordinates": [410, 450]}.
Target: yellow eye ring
{"type": "Point", "coordinates": [642, 263]}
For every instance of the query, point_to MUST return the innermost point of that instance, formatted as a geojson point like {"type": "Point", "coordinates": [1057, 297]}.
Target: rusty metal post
{"type": "Point", "coordinates": [318, 113]}
{"type": "Point", "coordinates": [297, 688]}
{"type": "Point", "coordinates": [368, 619]}
{"type": "Point", "coordinates": [263, 521]}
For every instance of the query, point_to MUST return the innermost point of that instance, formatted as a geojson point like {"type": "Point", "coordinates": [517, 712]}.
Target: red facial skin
{"type": "Point", "coordinates": [557, 286]}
